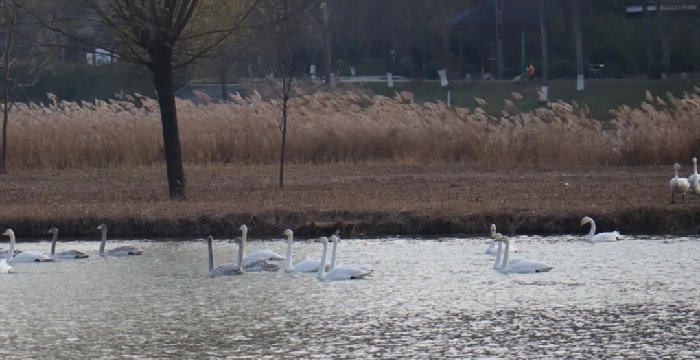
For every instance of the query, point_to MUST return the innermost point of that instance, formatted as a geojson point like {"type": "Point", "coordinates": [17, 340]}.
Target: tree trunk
{"type": "Point", "coordinates": [285, 101]}
{"type": "Point", "coordinates": [499, 38]}
{"type": "Point", "coordinates": [6, 90]}
{"type": "Point", "coordinates": [161, 67]}
{"type": "Point", "coordinates": [647, 33]}
{"type": "Point", "coordinates": [666, 54]}
{"type": "Point", "coordinates": [327, 63]}
{"type": "Point", "coordinates": [576, 21]}
{"type": "Point", "coordinates": [545, 51]}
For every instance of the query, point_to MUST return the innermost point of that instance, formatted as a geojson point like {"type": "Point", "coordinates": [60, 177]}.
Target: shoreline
{"type": "Point", "coordinates": [363, 200]}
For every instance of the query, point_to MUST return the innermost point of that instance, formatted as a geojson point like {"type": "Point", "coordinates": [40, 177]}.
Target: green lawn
{"type": "Point", "coordinates": [600, 95]}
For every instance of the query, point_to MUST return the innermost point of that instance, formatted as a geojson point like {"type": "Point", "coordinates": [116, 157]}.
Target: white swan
{"type": "Point", "coordinates": [65, 254]}
{"type": "Point", "coordinates": [223, 269]}
{"type": "Point", "coordinates": [26, 256]}
{"type": "Point", "coordinates": [693, 179]}
{"type": "Point", "coordinates": [265, 254]}
{"type": "Point", "coordinates": [492, 246]}
{"type": "Point", "coordinates": [258, 262]}
{"type": "Point", "coordinates": [600, 237]}
{"type": "Point", "coordinates": [678, 185]}
{"type": "Point", "coordinates": [306, 265]}
{"type": "Point", "coordinates": [4, 268]}
{"type": "Point", "coordinates": [520, 266]}
{"type": "Point", "coordinates": [335, 239]}
{"type": "Point", "coordinates": [118, 251]}
{"type": "Point", "coordinates": [338, 273]}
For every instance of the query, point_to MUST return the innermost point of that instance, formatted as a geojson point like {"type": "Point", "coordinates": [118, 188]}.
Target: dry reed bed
{"type": "Point", "coordinates": [328, 127]}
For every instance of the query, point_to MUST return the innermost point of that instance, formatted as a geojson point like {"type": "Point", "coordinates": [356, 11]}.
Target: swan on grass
{"type": "Point", "coordinates": [338, 273]}
{"type": "Point", "coordinates": [678, 185]}
{"type": "Point", "coordinates": [256, 261]}
{"type": "Point", "coordinates": [65, 254]}
{"type": "Point", "coordinates": [26, 256]}
{"type": "Point", "coordinates": [335, 239]}
{"type": "Point", "coordinates": [223, 269]}
{"type": "Point", "coordinates": [118, 251]}
{"type": "Point", "coordinates": [600, 237]}
{"type": "Point", "coordinates": [519, 266]}
{"type": "Point", "coordinates": [492, 246]}
{"type": "Point", "coordinates": [306, 265]}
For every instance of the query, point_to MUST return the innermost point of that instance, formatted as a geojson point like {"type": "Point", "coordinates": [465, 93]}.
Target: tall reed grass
{"type": "Point", "coordinates": [351, 127]}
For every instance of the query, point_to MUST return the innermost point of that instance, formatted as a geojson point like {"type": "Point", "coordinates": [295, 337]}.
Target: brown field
{"type": "Point", "coordinates": [371, 198]}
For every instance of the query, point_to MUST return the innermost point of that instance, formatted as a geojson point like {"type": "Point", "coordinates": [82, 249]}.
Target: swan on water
{"type": "Point", "coordinates": [492, 246]}
{"type": "Point", "coordinates": [600, 237]}
{"type": "Point", "coordinates": [26, 256]}
{"type": "Point", "coordinates": [265, 254]}
{"type": "Point", "coordinates": [678, 185]}
{"type": "Point", "coordinates": [256, 261]}
{"type": "Point", "coordinates": [339, 273]}
{"type": "Point", "coordinates": [118, 251]}
{"type": "Point", "coordinates": [65, 254]}
{"type": "Point", "coordinates": [335, 239]}
{"type": "Point", "coordinates": [223, 269]}
{"type": "Point", "coordinates": [520, 266]}
{"type": "Point", "coordinates": [693, 179]}
{"type": "Point", "coordinates": [306, 265]}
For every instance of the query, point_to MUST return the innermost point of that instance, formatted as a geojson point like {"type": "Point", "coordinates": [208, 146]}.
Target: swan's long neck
{"type": "Point", "coordinates": [695, 167]}
{"type": "Point", "coordinates": [592, 232]}
{"type": "Point", "coordinates": [675, 171]}
{"type": "Point", "coordinates": [336, 240]}
{"type": "Point", "coordinates": [497, 264]}
{"type": "Point", "coordinates": [211, 255]}
{"type": "Point", "coordinates": [322, 268]}
{"type": "Point", "coordinates": [11, 252]}
{"type": "Point", "coordinates": [53, 242]}
{"type": "Point", "coordinates": [288, 258]}
{"type": "Point", "coordinates": [241, 249]}
{"type": "Point", "coordinates": [104, 240]}
{"type": "Point", "coordinates": [506, 256]}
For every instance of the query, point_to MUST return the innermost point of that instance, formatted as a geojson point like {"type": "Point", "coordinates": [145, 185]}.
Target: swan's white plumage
{"type": "Point", "coordinates": [5, 268]}
{"type": "Point", "coordinates": [678, 184]}
{"type": "Point", "coordinates": [26, 256]}
{"type": "Point", "coordinates": [338, 273]}
{"type": "Point", "coordinates": [253, 264]}
{"type": "Point", "coordinates": [519, 266]}
{"type": "Point", "coordinates": [600, 237]}
{"type": "Point", "coordinates": [65, 254]}
{"type": "Point", "coordinates": [118, 251]}
{"type": "Point", "coordinates": [306, 265]}
{"type": "Point", "coordinates": [492, 246]}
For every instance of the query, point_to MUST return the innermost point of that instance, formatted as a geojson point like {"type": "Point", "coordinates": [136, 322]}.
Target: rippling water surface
{"type": "Point", "coordinates": [436, 298]}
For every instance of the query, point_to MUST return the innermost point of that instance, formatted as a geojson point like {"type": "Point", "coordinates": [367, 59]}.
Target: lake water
{"type": "Point", "coordinates": [427, 298]}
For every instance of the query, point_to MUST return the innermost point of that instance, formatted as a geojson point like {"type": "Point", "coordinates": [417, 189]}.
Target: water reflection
{"type": "Point", "coordinates": [427, 299]}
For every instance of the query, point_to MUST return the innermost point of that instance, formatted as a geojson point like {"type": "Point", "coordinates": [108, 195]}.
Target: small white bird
{"type": "Point", "coordinates": [678, 185]}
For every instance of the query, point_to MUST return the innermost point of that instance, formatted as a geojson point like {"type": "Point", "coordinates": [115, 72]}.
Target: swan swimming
{"type": "Point", "coordinates": [258, 261]}
{"type": "Point", "coordinates": [265, 254]}
{"type": "Point", "coordinates": [600, 237]}
{"type": "Point", "coordinates": [65, 254]}
{"type": "Point", "coordinates": [223, 269]}
{"type": "Point", "coordinates": [335, 239]}
{"type": "Point", "coordinates": [118, 251]}
{"type": "Point", "coordinates": [519, 266]}
{"type": "Point", "coordinates": [306, 265]}
{"type": "Point", "coordinates": [26, 256]}
{"type": "Point", "coordinates": [339, 273]}
{"type": "Point", "coordinates": [492, 246]}
{"type": "Point", "coordinates": [678, 185]}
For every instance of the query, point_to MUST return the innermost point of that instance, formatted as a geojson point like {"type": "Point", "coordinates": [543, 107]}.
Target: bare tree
{"type": "Point", "coordinates": [162, 35]}
{"type": "Point", "coordinates": [576, 21]}
{"type": "Point", "coordinates": [545, 51]}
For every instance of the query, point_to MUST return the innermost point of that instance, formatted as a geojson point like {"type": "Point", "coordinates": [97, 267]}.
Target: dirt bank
{"type": "Point", "coordinates": [372, 199]}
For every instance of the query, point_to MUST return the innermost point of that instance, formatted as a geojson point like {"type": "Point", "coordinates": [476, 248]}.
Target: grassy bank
{"type": "Point", "coordinates": [368, 199]}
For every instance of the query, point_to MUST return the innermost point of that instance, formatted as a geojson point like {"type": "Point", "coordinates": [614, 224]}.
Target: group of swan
{"type": "Point", "coordinates": [260, 261]}
{"type": "Point", "coordinates": [505, 264]}
{"type": "Point", "coordinates": [681, 185]}
{"type": "Point", "coordinates": [12, 256]}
